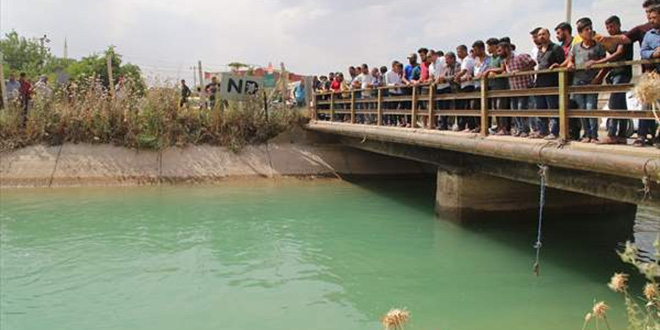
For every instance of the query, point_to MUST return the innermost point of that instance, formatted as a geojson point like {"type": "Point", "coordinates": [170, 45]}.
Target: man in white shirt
{"type": "Point", "coordinates": [464, 78]}
{"type": "Point", "coordinates": [437, 64]}
{"type": "Point", "coordinates": [364, 81]}
{"type": "Point", "coordinates": [393, 78]}
{"type": "Point", "coordinates": [443, 80]}
{"type": "Point", "coordinates": [481, 65]}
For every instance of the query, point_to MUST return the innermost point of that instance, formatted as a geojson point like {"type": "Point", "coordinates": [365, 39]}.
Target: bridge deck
{"type": "Point", "coordinates": [617, 160]}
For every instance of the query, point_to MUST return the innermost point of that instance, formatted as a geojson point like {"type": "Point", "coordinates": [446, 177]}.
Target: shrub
{"type": "Point", "coordinates": [151, 120]}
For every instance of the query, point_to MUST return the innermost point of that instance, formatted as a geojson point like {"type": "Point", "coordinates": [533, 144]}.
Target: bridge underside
{"type": "Point", "coordinates": [471, 187]}
{"type": "Point", "coordinates": [470, 184]}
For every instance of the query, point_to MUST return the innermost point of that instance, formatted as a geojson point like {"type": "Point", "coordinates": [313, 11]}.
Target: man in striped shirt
{"type": "Point", "coordinates": [515, 64]}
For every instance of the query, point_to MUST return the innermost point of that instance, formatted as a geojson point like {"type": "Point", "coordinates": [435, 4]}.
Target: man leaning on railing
{"type": "Point", "coordinates": [650, 50]}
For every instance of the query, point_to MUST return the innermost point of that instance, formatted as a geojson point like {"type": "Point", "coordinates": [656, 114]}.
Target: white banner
{"type": "Point", "coordinates": [239, 88]}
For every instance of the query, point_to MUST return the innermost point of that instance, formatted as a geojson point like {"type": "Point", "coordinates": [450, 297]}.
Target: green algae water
{"type": "Point", "coordinates": [296, 255]}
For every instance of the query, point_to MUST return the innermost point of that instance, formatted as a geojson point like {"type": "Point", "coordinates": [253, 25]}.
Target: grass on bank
{"type": "Point", "coordinates": [87, 114]}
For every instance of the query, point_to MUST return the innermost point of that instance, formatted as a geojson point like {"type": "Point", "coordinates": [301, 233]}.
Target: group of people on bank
{"type": "Point", "coordinates": [23, 91]}
{"type": "Point", "coordinates": [462, 71]}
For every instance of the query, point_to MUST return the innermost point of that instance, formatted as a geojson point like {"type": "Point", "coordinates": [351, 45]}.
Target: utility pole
{"type": "Point", "coordinates": [3, 90]}
{"type": "Point", "coordinates": [111, 82]}
{"type": "Point", "coordinates": [66, 49]}
{"type": "Point", "coordinates": [43, 41]}
{"type": "Point", "coordinates": [569, 9]}
{"type": "Point", "coordinates": [202, 93]}
{"type": "Point", "coordinates": [194, 69]}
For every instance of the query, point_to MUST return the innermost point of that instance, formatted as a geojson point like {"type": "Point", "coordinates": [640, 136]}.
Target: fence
{"type": "Point", "coordinates": [422, 98]}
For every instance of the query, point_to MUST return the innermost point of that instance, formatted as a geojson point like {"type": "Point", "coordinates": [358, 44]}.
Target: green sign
{"type": "Point", "coordinates": [269, 80]}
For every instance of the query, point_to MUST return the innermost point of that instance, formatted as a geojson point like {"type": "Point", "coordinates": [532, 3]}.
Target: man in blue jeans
{"type": "Point", "coordinates": [617, 128]}
{"type": "Point", "coordinates": [550, 56]}
{"type": "Point", "coordinates": [584, 55]}
{"type": "Point", "coordinates": [650, 50]}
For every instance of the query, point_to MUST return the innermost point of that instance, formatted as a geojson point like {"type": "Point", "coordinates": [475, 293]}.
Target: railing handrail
{"type": "Point", "coordinates": [504, 75]}
{"type": "Point", "coordinates": [563, 91]}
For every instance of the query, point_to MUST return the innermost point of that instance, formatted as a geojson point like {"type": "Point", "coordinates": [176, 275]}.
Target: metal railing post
{"type": "Point", "coordinates": [563, 106]}
{"type": "Point", "coordinates": [484, 107]}
{"type": "Point", "coordinates": [379, 110]}
{"type": "Point", "coordinates": [352, 107]}
{"type": "Point", "coordinates": [431, 123]}
{"type": "Point", "coordinates": [332, 106]}
{"type": "Point", "coordinates": [315, 115]}
{"type": "Point", "coordinates": [413, 115]}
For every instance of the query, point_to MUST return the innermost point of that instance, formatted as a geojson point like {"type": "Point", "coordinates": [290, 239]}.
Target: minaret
{"type": "Point", "coordinates": [66, 49]}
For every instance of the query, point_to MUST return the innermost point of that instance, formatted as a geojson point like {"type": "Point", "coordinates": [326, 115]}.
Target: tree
{"type": "Point", "coordinates": [96, 66]}
{"type": "Point", "coordinates": [237, 65]}
{"type": "Point", "coordinates": [22, 54]}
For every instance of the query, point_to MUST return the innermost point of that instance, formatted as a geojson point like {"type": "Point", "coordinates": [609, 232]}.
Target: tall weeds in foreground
{"type": "Point", "coordinates": [395, 319]}
{"type": "Point", "coordinates": [643, 312]}
{"type": "Point", "coordinates": [85, 113]}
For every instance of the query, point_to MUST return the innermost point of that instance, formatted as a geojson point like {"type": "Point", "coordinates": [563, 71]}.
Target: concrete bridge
{"type": "Point", "coordinates": [500, 174]}
{"type": "Point", "coordinates": [482, 174]}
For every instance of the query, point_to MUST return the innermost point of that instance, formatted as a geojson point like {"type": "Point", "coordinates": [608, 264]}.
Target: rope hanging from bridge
{"type": "Point", "coordinates": [543, 170]}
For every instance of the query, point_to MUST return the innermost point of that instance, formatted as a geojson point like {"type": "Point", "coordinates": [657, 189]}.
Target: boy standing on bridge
{"type": "Point", "coordinates": [585, 54]}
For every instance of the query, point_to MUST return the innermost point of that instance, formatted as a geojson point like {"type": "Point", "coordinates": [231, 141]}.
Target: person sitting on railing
{"type": "Point", "coordinates": [617, 76]}
{"type": "Point", "coordinates": [550, 56]}
{"type": "Point", "coordinates": [464, 79]}
{"type": "Point", "coordinates": [443, 83]}
{"type": "Point", "coordinates": [515, 64]}
{"type": "Point", "coordinates": [585, 54]}
{"type": "Point", "coordinates": [497, 103]}
{"type": "Point", "coordinates": [651, 50]}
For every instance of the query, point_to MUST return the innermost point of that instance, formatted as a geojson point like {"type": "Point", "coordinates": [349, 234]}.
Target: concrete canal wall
{"type": "Point", "coordinates": [92, 165]}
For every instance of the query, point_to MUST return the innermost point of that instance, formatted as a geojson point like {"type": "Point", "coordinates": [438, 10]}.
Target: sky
{"type": "Point", "coordinates": [167, 37]}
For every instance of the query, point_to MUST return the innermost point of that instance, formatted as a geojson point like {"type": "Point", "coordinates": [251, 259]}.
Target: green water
{"type": "Point", "coordinates": [303, 255]}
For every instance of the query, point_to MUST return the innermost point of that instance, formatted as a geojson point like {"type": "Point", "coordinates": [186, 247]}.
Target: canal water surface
{"type": "Point", "coordinates": [291, 255]}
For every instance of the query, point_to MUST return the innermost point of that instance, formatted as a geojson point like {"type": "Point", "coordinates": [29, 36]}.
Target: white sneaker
{"type": "Point", "coordinates": [550, 137]}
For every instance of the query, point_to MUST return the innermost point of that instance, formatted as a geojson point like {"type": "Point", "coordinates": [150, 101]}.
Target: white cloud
{"type": "Point", "coordinates": [310, 36]}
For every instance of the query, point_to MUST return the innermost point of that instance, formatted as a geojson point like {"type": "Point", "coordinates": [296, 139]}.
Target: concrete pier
{"type": "Point", "coordinates": [464, 196]}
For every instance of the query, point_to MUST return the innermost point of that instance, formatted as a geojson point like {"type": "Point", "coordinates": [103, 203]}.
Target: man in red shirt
{"type": "Point", "coordinates": [424, 65]}
{"type": "Point", "coordinates": [335, 85]}
{"type": "Point", "coordinates": [24, 93]}
{"type": "Point", "coordinates": [564, 33]}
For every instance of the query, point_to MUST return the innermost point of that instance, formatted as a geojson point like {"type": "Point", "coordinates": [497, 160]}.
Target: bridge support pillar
{"type": "Point", "coordinates": [464, 196]}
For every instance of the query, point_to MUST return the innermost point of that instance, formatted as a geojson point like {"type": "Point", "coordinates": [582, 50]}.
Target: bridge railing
{"type": "Point", "coordinates": [421, 100]}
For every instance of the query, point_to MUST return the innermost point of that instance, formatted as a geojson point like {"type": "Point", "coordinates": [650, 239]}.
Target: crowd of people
{"type": "Point", "coordinates": [461, 72]}
{"type": "Point", "coordinates": [23, 91]}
